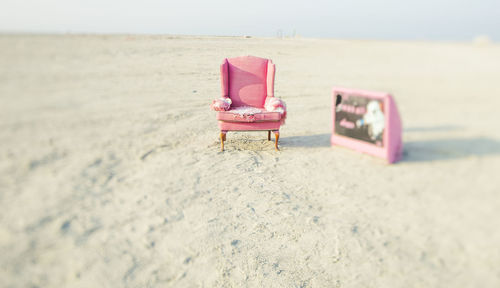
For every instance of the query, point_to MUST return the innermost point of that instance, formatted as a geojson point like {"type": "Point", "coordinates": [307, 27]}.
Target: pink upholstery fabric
{"type": "Point", "coordinates": [247, 81]}
{"type": "Point", "coordinates": [242, 126]}
{"type": "Point", "coordinates": [262, 116]}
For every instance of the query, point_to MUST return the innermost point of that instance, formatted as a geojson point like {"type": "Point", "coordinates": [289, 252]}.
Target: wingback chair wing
{"type": "Point", "coordinates": [247, 84]}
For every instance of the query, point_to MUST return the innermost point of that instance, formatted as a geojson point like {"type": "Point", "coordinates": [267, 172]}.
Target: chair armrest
{"type": "Point", "coordinates": [274, 104]}
{"type": "Point", "coordinates": [221, 104]}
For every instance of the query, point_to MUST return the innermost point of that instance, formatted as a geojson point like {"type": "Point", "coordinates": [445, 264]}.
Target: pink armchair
{"type": "Point", "coordinates": [248, 102]}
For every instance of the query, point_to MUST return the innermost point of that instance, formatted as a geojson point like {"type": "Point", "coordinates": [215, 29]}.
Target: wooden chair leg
{"type": "Point", "coordinates": [269, 135]}
{"type": "Point", "coordinates": [276, 137]}
{"type": "Point", "coordinates": [222, 138]}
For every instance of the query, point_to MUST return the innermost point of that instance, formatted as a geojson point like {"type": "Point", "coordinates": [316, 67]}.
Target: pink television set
{"type": "Point", "coordinates": [368, 122]}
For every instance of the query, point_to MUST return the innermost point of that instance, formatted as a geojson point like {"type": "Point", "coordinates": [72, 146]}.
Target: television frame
{"type": "Point", "coordinates": [392, 147]}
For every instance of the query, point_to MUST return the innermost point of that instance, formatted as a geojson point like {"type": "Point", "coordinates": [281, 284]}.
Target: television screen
{"type": "Point", "coordinates": [360, 118]}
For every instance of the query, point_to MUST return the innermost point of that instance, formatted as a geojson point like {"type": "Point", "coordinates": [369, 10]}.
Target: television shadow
{"type": "Point", "coordinates": [441, 128]}
{"type": "Point", "coordinates": [418, 150]}
{"type": "Point", "coordinates": [447, 149]}
{"type": "Point", "coordinates": [307, 141]}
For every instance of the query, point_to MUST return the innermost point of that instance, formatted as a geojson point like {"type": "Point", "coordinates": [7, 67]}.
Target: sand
{"type": "Point", "coordinates": [111, 174]}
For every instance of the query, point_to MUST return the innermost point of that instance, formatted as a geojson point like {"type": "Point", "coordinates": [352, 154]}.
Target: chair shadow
{"type": "Point", "coordinates": [447, 149]}
{"type": "Point", "coordinates": [307, 141]}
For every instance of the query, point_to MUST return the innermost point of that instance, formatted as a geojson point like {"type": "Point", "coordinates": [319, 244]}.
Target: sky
{"type": "Point", "coordinates": [442, 20]}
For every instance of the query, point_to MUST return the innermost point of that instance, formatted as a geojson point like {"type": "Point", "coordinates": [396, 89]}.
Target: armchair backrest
{"type": "Point", "coordinates": [247, 80]}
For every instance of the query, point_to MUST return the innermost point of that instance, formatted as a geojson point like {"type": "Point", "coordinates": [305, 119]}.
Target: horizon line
{"type": "Point", "coordinates": [479, 39]}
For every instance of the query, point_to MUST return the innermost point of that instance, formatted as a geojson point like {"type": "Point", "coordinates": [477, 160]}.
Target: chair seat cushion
{"type": "Point", "coordinates": [248, 114]}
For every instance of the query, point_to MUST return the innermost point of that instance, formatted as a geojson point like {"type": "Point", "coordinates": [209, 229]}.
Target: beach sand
{"type": "Point", "coordinates": [111, 174]}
